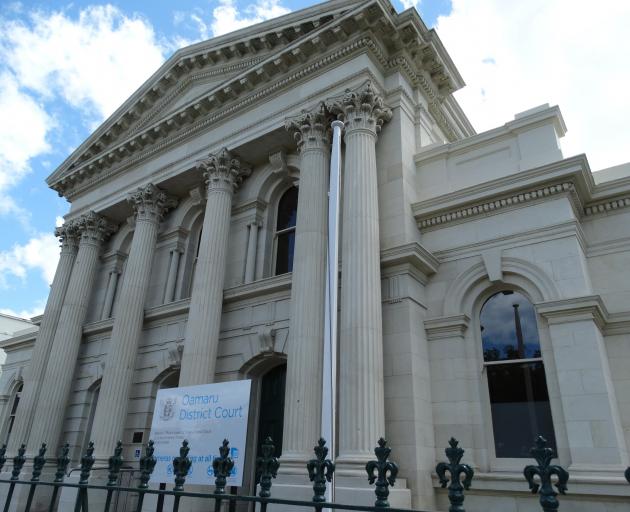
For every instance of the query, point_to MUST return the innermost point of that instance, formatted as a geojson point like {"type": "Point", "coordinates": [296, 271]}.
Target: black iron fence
{"type": "Point", "coordinates": [381, 473]}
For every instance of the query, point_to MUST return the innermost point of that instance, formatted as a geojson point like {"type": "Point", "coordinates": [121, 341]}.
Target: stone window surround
{"type": "Point", "coordinates": [474, 335]}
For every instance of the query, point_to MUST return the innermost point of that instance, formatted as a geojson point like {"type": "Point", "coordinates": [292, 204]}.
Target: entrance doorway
{"type": "Point", "coordinates": [271, 408]}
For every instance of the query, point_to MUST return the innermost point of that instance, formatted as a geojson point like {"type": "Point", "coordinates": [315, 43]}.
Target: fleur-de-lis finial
{"type": "Point", "coordinates": [38, 463]}
{"type": "Point", "coordinates": [267, 467]}
{"type": "Point", "coordinates": [222, 467]}
{"type": "Point", "coordinates": [147, 464]}
{"type": "Point", "coordinates": [3, 458]}
{"type": "Point", "coordinates": [320, 469]}
{"type": "Point", "coordinates": [62, 463]}
{"type": "Point", "coordinates": [455, 469]}
{"type": "Point", "coordinates": [87, 461]}
{"type": "Point", "coordinates": [181, 466]}
{"type": "Point", "coordinates": [114, 464]}
{"type": "Point", "coordinates": [383, 472]}
{"type": "Point", "coordinates": [543, 455]}
{"type": "Point", "coordinates": [18, 462]}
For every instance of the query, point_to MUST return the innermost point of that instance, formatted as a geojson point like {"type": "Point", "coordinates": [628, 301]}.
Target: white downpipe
{"type": "Point", "coordinates": [329, 391]}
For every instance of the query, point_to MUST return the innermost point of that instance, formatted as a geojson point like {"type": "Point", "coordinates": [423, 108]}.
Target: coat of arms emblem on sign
{"type": "Point", "coordinates": [167, 408]}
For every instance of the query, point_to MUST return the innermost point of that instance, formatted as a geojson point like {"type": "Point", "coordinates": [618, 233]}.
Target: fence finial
{"type": "Point", "coordinates": [222, 467]}
{"type": "Point", "coordinates": [147, 464]}
{"type": "Point", "coordinates": [87, 461]}
{"type": "Point", "coordinates": [320, 469]}
{"type": "Point", "coordinates": [181, 466]}
{"type": "Point", "coordinates": [455, 469]}
{"type": "Point", "coordinates": [267, 467]}
{"type": "Point", "coordinates": [38, 463]}
{"type": "Point", "coordinates": [62, 463]}
{"type": "Point", "coordinates": [18, 462]}
{"type": "Point", "coordinates": [543, 455]}
{"type": "Point", "coordinates": [383, 472]}
{"type": "Point", "coordinates": [114, 464]}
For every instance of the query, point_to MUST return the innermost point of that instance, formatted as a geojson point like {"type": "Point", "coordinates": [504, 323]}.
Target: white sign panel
{"type": "Point", "coordinates": [204, 415]}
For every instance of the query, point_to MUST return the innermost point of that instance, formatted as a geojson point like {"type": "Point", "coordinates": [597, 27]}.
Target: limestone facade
{"type": "Point", "coordinates": [170, 256]}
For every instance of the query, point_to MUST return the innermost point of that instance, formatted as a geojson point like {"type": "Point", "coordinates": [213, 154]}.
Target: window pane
{"type": "Point", "coordinates": [508, 328]}
{"type": "Point", "coordinates": [520, 407]}
{"type": "Point", "coordinates": [284, 252]}
{"type": "Point", "coordinates": [287, 209]}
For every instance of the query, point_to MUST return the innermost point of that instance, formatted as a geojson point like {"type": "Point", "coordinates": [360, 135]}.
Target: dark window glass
{"type": "Point", "coordinates": [520, 407]}
{"type": "Point", "coordinates": [287, 210]}
{"type": "Point", "coordinates": [16, 401]}
{"type": "Point", "coordinates": [285, 231]}
{"type": "Point", "coordinates": [519, 400]}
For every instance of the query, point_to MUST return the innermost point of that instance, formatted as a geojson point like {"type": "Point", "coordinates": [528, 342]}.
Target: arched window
{"type": "Point", "coordinates": [284, 236]}
{"type": "Point", "coordinates": [519, 400]}
{"type": "Point", "coordinates": [15, 400]}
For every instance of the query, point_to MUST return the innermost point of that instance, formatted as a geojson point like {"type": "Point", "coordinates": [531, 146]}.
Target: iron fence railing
{"type": "Point", "coordinates": [381, 472]}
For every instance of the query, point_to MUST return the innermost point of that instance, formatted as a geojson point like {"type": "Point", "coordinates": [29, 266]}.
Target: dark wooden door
{"type": "Point", "coordinates": [271, 409]}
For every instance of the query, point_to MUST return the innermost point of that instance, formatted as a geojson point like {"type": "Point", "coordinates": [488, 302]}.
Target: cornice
{"type": "Point", "coordinates": [446, 327]}
{"type": "Point", "coordinates": [618, 324]}
{"type": "Point", "coordinates": [236, 92]}
{"type": "Point", "coordinates": [26, 340]}
{"type": "Point", "coordinates": [570, 177]}
{"type": "Point", "coordinates": [590, 307]}
{"type": "Point", "coordinates": [412, 253]}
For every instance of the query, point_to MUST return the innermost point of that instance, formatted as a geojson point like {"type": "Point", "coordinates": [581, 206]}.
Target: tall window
{"type": "Point", "coordinates": [94, 393]}
{"type": "Point", "coordinates": [519, 400]}
{"type": "Point", "coordinates": [284, 237]}
{"type": "Point", "coordinates": [14, 406]}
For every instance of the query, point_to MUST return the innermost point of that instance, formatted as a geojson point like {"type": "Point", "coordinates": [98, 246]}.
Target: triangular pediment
{"type": "Point", "coordinates": [209, 78]}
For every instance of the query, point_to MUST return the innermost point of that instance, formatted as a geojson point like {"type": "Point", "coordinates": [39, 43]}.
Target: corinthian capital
{"type": "Point", "coordinates": [151, 203]}
{"type": "Point", "coordinates": [311, 129]}
{"type": "Point", "coordinates": [68, 236]}
{"type": "Point", "coordinates": [223, 171]}
{"type": "Point", "coordinates": [93, 227]}
{"type": "Point", "coordinates": [361, 108]}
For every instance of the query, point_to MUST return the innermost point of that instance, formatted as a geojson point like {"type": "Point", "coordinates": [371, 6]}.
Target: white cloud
{"type": "Point", "coordinates": [40, 253]}
{"type": "Point", "coordinates": [22, 136]}
{"type": "Point", "coordinates": [517, 55]}
{"type": "Point", "coordinates": [410, 3]}
{"type": "Point", "coordinates": [94, 62]}
{"type": "Point", "coordinates": [37, 309]}
{"type": "Point", "coordinates": [227, 17]}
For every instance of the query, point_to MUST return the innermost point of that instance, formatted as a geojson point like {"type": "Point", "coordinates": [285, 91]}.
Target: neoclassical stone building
{"type": "Point", "coordinates": [484, 285]}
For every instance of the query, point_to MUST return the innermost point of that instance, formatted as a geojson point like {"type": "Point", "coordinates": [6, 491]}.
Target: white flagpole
{"type": "Point", "coordinates": [329, 391]}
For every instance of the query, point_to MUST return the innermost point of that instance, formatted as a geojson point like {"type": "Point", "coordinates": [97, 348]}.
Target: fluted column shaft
{"type": "Point", "coordinates": [361, 400]}
{"type": "Point", "coordinates": [35, 371]}
{"type": "Point", "coordinates": [302, 409]}
{"type": "Point", "coordinates": [149, 204]}
{"type": "Point", "coordinates": [223, 173]}
{"type": "Point", "coordinates": [55, 388]}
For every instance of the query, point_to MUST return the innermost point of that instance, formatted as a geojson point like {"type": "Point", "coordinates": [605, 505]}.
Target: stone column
{"type": "Point", "coordinates": [361, 402]}
{"type": "Point", "coordinates": [149, 204]}
{"type": "Point", "coordinates": [57, 382]}
{"type": "Point", "coordinates": [302, 409]}
{"type": "Point", "coordinates": [252, 246]}
{"type": "Point", "coordinates": [223, 174]}
{"type": "Point", "coordinates": [35, 371]}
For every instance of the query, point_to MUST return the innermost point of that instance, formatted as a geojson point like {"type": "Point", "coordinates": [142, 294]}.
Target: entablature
{"type": "Point", "coordinates": [313, 39]}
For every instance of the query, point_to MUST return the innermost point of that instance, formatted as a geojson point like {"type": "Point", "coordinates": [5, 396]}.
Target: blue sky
{"type": "Point", "coordinates": [64, 67]}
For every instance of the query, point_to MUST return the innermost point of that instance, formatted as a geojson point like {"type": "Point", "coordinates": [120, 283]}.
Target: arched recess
{"type": "Point", "coordinates": [188, 218]}
{"type": "Point", "coordinates": [467, 286]}
{"type": "Point", "coordinates": [14, 390]}
{"type": "Point", "coordinates": [265, 370]}
{"type": "Point", "coordinates": [467, 295]}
